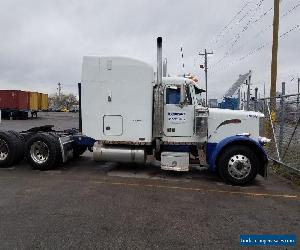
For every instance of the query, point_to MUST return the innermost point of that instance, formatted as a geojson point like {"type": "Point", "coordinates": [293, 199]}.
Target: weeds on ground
{"type": "Point", "coordinates": [286, 173]}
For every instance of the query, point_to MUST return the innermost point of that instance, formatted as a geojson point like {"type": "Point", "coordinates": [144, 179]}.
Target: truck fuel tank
{"type": "Point", "coordinates": [118, 153]}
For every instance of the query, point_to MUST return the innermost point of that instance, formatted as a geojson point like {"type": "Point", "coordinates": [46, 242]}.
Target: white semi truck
{"type": "Point", "coordinates": [127, 115]}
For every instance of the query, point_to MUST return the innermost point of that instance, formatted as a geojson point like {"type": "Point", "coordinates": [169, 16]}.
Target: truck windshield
{"type": "Point", "coordinates": [172, 96]}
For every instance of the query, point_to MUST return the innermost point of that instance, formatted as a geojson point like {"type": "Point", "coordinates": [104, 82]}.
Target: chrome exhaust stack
{"type": "Point", "coordinates": [159, 61]}
{"type": "Point", "coordinates": [158, 105]}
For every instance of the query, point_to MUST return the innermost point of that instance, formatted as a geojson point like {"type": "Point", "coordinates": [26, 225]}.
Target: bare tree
{"type": "Point", "coordinates": [63, 101]}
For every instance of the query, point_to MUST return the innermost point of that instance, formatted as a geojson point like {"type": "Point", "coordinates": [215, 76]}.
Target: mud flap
{"type": "Point", "coordinates": [66, 145]}
{"type": "Point", "coordinates": [264, 170]}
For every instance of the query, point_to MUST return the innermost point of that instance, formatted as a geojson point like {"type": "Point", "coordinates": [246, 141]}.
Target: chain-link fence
{"type": "Point", "coordinates": [282, 125]}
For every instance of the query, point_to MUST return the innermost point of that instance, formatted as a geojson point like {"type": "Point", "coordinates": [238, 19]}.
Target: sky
{"type": "Point", "coordinates": [43, 42]}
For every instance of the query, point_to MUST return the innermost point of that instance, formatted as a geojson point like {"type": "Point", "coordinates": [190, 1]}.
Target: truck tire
{"type": "Point", "coordinates": [19, 145]}
{"type": "Point", "coordinates": [42, 151]}
{"type": "Point", "coordinates": [58, 148]}
{"type": "Point", "coordinates": [238, 165]}
{"type": "Point", "coordinates": [8, 149]}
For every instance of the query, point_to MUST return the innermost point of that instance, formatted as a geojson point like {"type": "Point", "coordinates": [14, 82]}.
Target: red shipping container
{"type": "Point", "coordinates": [14, 99]}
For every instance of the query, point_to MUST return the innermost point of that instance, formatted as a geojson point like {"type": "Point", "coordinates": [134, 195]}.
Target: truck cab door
{"type": "Point", "coordinates": [178, 111]}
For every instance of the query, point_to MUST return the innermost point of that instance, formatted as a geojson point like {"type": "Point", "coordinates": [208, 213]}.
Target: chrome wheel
{"type": "Point", "coordinates": [39, 152]}
{"type": "Point", "coordinates": [3, 150]}
{"type": "Point", "coordinates": [239, 166]}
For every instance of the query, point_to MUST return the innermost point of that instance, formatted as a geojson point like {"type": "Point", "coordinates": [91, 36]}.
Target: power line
{"type": "Point", "coordinates": [228, 26]}
{"type": "Point", "coordinates": [263, 15]}
{"type": "Point", "coordinates": [245, 27]}
{"type": "Point", "coordinates": [239, 35]}
{"type": "Point", "coordinates": [287, 13]}
{"type": "Point", "coordinates": [290, 10]}
{"type": "Point", "coordinates": [289, 31]}
{"type": "Point", "coordinates": [257, 49]}
{"type": "Point", "coordinates": [282, 16]}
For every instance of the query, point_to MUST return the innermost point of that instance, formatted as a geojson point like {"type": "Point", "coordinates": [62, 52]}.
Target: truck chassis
{"type": "Point", "coordinates": [42, 146]}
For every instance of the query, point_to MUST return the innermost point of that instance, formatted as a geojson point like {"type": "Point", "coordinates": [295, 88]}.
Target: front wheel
{"type": "Point", "coordinates": [238, 165]}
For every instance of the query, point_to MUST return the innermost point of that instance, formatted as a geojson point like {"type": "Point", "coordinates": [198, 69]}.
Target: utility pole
{"type": "Point", "coordinates": [255, 101]}
{"type": "Point", "coordinates": [274, 56]}
{"type": "Point", "coordinates": [272, 109]}
{"type": "Point", "coordinates": [59, 88]}
{"type": "Point", "coordinates": [205, 70]}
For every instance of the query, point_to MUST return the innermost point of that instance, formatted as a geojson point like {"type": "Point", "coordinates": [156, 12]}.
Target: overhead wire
{"type": "Point", "coordinates": [257, 49]}
{"type": "Point", "coordinates": [239, 22]}
{"type": "Point", "coordinates": [239, 35]}
{"type": "Point", "coordinates": [262, 16]}
{"type": "Point", "coordinates": [287, 13]}
{"type": "Point", "coordinates": [228, 27]}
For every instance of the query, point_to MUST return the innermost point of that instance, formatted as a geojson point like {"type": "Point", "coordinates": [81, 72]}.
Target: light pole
{"type": "Point", "coordinates": [205, 70]}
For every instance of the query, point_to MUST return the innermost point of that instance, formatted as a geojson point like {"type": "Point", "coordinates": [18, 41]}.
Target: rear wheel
{"type": "Point", "coordinates": [238, 165]}
{"type": "Point", "coordinates": [43, 151]}
{"type": "Point", "coordinates": [8, 149]}
{"type": "Point", "coordinates": [19, 145]}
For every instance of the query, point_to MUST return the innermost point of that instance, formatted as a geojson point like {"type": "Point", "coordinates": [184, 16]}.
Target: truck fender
{"type": "Point", "coordinates": [214, 150]}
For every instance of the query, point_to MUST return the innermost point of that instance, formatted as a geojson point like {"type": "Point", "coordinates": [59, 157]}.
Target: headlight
{"type": "Point", "coordinates": [263, 140]}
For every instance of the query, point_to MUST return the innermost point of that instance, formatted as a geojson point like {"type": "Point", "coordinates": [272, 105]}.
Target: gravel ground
{"type": "Point", "coordinates": [88, 205]}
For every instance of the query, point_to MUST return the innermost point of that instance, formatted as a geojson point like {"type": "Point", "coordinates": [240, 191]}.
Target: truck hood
{"type": "Point", "coordinates": [234, 113]}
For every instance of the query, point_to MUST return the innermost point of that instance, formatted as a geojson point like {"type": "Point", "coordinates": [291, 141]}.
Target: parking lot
{"type": "Point", "coordinates": [84, 204]}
